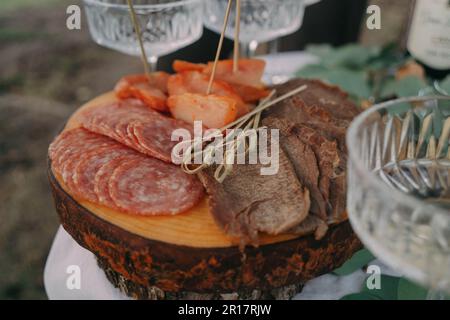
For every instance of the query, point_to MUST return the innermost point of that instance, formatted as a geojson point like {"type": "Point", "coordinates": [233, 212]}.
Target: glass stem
{"type": "Point", "coordinates": [153, 63]}
{"type": "Point", "coordinates": [273, 46]}
{"type": "Point", "coordinates": [248, 50]}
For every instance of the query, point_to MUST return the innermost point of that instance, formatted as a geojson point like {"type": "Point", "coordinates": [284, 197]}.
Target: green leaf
{"type": "Point", "coordinates": [388, 290]}
{"type": "Point", "coordinates": [359, 260]}
{"type": "Point", "coordinates": [319, 50]}
{"type": "Point", "coordinates": [352, 81]}
{"type": "Point", "coordinates": [409, 86]}
{"type": "Point", "coordinates": [408, 290]}
{"type": "Point", "coordinates": [360, 296]}
{"type": "Point", "coordinates": [388, 58]}
{"type": "Point", "coordinates": [351, 56]}
{"type": "Point", "coordinates": [388, 88]}
{"type": "Point", "coordinates": [400, 108]}
{"type": "Point", "coordinates": [312, 71]}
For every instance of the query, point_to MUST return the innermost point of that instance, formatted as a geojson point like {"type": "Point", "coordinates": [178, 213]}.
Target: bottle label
{"type": "Point", "coordinates": [429, 35]}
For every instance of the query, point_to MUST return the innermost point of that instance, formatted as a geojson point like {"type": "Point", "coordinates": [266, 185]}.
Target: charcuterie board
{"type": "Point", "coordinates": [177, 256]}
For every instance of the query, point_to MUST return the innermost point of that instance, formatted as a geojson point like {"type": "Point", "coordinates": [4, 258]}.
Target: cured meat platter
{"type": "Point", "coordinates": [160, 233]}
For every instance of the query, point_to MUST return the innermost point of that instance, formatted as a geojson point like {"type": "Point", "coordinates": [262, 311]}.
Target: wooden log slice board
{"type": "Point", "coordinates": [186, 255]}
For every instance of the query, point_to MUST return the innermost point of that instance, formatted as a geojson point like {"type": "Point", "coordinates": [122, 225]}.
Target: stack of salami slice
{"type": "Point", "coordinates": [121, 159]}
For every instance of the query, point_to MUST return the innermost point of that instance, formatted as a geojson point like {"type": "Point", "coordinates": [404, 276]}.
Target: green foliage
{"type": "Point", "coordinates": [388, 290]}
{"type": "Point", "coordinates": [364, 72]}
{"type": "Point", "coordinates": [359, 260]}
{"type": "Point", "coordinates": [408, 290]}
{"type": "Point", "coordinates": [360, 296]}
{"type": "Point", "coordinates": [351, 56]}
{"type": "Point", "coordinates": [352, 81]}
{"type": "Point", "coordinates": [392, 288]}
{"type": "Point", "coordinates": [408, 86]}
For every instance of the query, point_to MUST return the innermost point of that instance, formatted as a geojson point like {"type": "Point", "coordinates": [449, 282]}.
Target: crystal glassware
{"type": "Point", "coordinates": [166, 25]}
{"type": "Point", "coordinates": [261, 20]}
{"type": "Point", "coordinates": [399, 186]}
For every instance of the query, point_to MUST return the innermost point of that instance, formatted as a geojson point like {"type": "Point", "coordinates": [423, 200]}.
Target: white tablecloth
{"type": "Point", "coordinates": [65, 252]}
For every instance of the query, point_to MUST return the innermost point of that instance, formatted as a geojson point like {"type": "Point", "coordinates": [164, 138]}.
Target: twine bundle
{"type": "Point", "coordinates": [233, 139]}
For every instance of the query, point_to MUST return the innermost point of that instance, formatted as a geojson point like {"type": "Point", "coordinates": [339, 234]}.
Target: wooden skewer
{"type": "Point", "coordinates": [219, 47]}
{"type": "Point", "coordinates": [237, 30]}
{"type": "Point", "coordinates": [264, 106]}
{"type": "Point", "coordinates": [139, 37]}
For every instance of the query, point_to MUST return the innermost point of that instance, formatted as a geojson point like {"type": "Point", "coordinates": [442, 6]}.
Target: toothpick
{"type": "Point", "coordinates": [237, 29]}
{"type": "Point", "coordinates": [265, 106]}
{"type": "Point", "coordinates": [219, 47]}
{"type": "Point", "coordinates": [139, 38]}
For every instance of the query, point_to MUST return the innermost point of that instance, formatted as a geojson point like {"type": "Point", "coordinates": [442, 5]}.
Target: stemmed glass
{"type": "Point", "coordinates": [399, 186]}
{"type": "Point", "coordinates": [165, 25]}
{"type": "Point", "coordinates": [261, 20]}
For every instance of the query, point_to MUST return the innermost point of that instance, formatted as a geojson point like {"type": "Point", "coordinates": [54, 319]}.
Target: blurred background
{"type": "Point", "coordinates": [47, 71]}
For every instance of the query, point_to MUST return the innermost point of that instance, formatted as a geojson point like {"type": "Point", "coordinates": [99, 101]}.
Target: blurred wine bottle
{"type": "Point", "coordinates": [428, 40]}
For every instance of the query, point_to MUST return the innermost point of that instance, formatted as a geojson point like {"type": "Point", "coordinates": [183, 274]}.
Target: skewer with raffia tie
{"type": "Point", "coordinates": [237, 28]}
{"type": "Point", "coordinates": [219, 46]}
{"type": "Point", "coordinates": [137, 29]}
{"type": "Point", "coordinates": [249, 121]}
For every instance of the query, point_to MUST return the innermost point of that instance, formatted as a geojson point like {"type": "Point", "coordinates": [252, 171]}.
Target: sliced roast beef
{"type": "Point", "coordinates": [327, 155]}
{"type": "Point", "coordinates": [324, 96]}
{"type": "Point", "coordinates": [303, 159]}
{"type": "Point", "coordinates": [320, 116]}
{"type": "Point", "coordinates": [311, 177]}
{"type": "Point", "coordinates": [321, 106]}
{"type": "Point", "coordinates": [338, 198]}
{"type": "Point", "coordinates": [311, 224]}
{"type": "Point", "coordinates": [315, 169]}
{"type": "Point", "coordinates": [247, 203]}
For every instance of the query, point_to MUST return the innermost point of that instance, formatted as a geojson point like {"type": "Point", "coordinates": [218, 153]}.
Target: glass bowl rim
{"type": "Point", "coordinates": [173, 4]}
{"type": "Point", "coordinates": [396, 195]}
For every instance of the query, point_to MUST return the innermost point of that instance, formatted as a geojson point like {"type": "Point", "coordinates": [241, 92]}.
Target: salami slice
{"type": "Point", "coordinates": [74, 149]}
{"type": "Point", "coordinates": [68, 169]}
{"type": "Point", "coordinates": [66, 140]}
{"type": "Point", "coordinates": [85, 171]}
{"type": "Point", "coordinates": [72, 146]}
{"type": "Point", "coordinates": [156, 137]}
{"type": "Point", "coordinates": [77, 152]}
{"type": "Point", "coordinates": [133, 139]}
{"type": "Point", "coordinates": [111, 120]}
{"type": "Point", "coordinates": [124, 128]}
{"type": "Point", "coordinates": [138, 127]}
{"type": "Point", "coordinates": [103, 175]}
{"type": "Point", "coordinates": [148, 186]}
